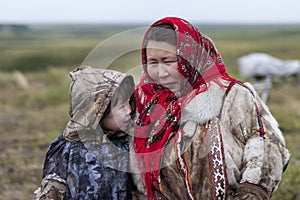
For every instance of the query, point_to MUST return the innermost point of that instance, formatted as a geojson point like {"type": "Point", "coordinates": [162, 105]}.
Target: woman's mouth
{"type": "Point", "coordinates": [168, 85]}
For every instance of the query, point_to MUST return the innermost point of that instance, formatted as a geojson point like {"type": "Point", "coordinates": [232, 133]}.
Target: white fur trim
{"type": "Point", "coordinates": [205, 106]}
{"type": "Point", "coordinates": [190, 128]}
{"type": "Point", "coordinates": [254, 157]}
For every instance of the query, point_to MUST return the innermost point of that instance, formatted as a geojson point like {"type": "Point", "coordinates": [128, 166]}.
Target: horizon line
{"type": "Point", "coordinates": [143, 23]}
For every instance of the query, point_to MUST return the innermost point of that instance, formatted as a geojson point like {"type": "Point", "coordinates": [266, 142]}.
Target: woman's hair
{"type": "Point", "coordinates": [126, 90]}
{"type": "Point", "coordinates": [161, 33]}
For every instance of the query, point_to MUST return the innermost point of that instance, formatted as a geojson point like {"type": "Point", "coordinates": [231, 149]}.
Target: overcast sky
{"type": "Point", "coordinates": [142, 11]}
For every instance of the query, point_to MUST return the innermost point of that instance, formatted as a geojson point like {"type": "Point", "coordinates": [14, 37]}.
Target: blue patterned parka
{"type": "Point", "coordinates": [85, 162]}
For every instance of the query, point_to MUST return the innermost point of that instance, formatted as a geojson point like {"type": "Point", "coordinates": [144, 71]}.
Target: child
{"type": "Point", "coordinates": [89, 159]}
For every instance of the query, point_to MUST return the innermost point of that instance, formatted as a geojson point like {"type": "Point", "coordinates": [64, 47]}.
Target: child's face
{"type": "Point", "coordinates": [119, 117]}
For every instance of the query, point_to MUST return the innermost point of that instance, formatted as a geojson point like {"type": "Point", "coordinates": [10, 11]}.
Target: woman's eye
{"type": "Point", "coordinates": [170, 61]}
{"type": "Point", "coordinates": [152, 65]}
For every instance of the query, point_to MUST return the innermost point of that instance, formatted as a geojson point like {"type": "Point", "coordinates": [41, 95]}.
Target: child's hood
{"type": "Point", "coordinates": [91, 90]}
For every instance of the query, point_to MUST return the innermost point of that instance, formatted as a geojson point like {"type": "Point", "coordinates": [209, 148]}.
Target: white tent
{"type": "Point", "coordinates": [262, 64]}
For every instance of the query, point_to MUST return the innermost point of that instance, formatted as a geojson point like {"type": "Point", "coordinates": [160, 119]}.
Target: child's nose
{"type": "Point", "coordinates": [128, 109]}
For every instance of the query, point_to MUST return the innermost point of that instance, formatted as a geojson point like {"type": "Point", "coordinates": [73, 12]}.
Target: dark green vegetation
{"type": "Point", "coordinates": [34, 65]}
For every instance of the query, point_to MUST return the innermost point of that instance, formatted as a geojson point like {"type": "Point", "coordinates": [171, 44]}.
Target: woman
{"type": "Point", "coordinates": [201, 134]}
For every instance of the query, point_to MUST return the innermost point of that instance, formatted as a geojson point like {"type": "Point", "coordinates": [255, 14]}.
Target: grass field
{"type": "Point", "coordinates": [34, 81]}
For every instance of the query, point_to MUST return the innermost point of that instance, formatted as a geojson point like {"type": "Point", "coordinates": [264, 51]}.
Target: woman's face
{"type": "Point", "coordinates": [162, 65]}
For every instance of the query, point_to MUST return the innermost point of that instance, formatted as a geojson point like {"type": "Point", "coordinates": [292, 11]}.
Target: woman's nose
{"type": "Point", "coordinates": [162, 71]}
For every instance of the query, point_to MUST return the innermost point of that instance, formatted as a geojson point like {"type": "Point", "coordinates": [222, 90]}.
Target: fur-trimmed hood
{"type": "Point", "coordinates": [91, 91]}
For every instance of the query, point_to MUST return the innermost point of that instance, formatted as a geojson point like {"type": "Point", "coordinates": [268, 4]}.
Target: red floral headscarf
{"type": "Point", "coordinates": [160, 109]}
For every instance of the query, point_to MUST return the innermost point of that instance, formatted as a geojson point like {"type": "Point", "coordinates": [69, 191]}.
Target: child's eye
{"type": "Point", "coordinates": [123, 105]}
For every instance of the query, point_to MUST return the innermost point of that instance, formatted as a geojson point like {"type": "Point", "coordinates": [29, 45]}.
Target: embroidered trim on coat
{"type": "Point", "coordinates": [216, 160]}
{"type": "Point", "coordinates": [183, 167]}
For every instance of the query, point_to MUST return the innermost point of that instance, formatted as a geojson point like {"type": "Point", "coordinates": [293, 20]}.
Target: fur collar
{"type": "Point", "coordinates": [205, 106]}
